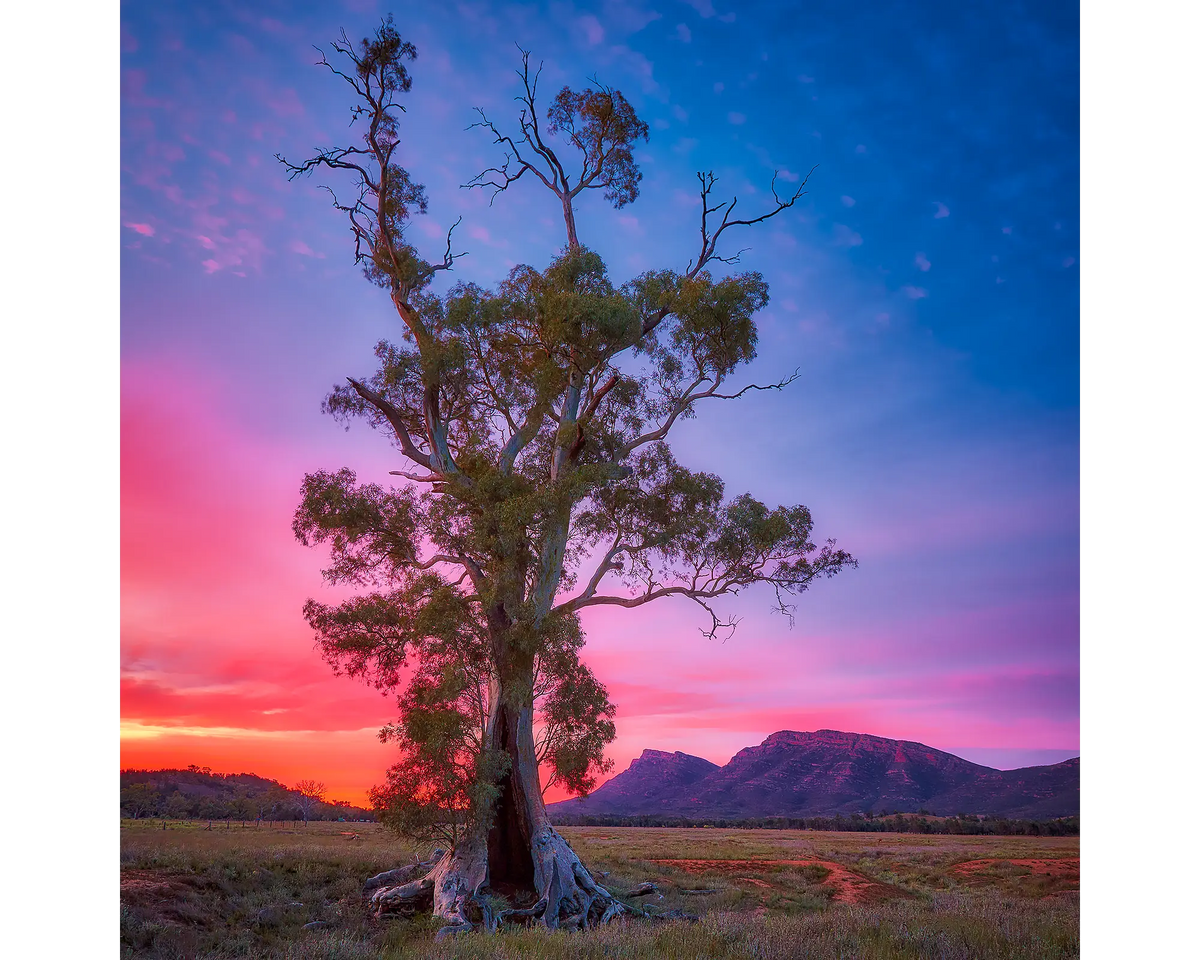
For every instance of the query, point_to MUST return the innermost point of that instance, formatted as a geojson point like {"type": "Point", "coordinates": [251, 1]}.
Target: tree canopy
{"type": "Point", "coordinates": [537, 479]}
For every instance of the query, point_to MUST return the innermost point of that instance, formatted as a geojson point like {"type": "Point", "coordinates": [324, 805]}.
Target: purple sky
{"type": "Point", "coordinates": [926, 288]}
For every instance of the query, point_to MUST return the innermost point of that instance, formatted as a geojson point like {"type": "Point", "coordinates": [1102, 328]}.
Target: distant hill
{"type": "Point", "coordinates": [656, 782]}
{"type": "Point", "coordinates": [827, 773]}
{"type": "Point", "coordinates": [198, 793]}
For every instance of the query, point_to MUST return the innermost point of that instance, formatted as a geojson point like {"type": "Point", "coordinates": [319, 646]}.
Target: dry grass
{"type": "Point", "coordinates": [244, 892]}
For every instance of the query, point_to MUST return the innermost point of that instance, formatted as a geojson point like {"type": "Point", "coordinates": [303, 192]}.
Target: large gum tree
{"type": "Point", "coordinates": [532, 420]}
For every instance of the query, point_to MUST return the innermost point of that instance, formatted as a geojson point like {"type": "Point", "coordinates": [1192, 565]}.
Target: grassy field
{"type": "Point", "coordinates": [188, 892]}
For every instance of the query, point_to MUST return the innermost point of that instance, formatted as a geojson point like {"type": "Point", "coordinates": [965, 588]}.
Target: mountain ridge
{"type": "Point", "coordinates": [829, 772]}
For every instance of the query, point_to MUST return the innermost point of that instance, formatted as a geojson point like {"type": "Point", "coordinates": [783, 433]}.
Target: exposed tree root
{"type": "Point", "coordinates": [456, 886]}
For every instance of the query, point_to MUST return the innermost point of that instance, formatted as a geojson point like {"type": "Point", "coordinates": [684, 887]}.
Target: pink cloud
{"type": "Point", "coordinates": [212, 582]}
{"type": "Point", "coordinates": [241, 250]}
{"type": "Point", "coordinates": [302, 248]}
{"type": "Point", "coordinates": [922, 262]}
{"type": "Point", "coordinates": [257, 701]}
{"type": "Point", "coordinates": [285, 103]}
{"type": "Point", "coordinates": [914, 293]}
{"type": "Point", "coordinates": [143, 228]}
{"type": "Point", "coordinates": [133, 90]}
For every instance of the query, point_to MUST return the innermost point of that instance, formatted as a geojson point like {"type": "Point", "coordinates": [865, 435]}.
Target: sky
{"type": "Point", "coordinates": [926, 288]}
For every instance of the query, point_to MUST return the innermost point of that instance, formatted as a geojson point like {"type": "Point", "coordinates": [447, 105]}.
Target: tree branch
{"type": "Point", "coordinates": [708, 243]}
{"type": "Point", "coordinates": [396, 420]}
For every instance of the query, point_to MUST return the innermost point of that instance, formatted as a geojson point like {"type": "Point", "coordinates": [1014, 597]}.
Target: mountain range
{"type": "Point", "coordinates": [826, 773]}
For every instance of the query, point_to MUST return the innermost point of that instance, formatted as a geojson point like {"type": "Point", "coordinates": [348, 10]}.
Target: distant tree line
{"type": "Point", "coordinates": [196, 793]}
{"type": "Point", "coordinates": [895, 823]}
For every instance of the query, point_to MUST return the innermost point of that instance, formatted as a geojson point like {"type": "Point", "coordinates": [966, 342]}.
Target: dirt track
{"type": "Point", "coordinates": [1066, 868]}
{"type": "Point", "coordinates": [848, 887]}
{"type": "Point", "coordinates": [851, 887]}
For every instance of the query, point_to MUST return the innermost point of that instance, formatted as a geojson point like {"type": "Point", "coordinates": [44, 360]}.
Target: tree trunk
{"type": "Point", "coordinates": [521, 858]}
{"type": "Point", "coordinates": [569, 217]}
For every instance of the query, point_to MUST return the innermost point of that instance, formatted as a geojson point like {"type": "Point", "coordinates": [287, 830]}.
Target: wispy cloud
{"type": "Point", "coordinates": [702, 7]}
{"type": "Point", "coordinates": [593, 32]}
{"type": "Point", "coordinates": [843, 236]}
{"type": "Point", "coordinates": [302, 248]}
{"type": "Point", "coordinates": [910, 472]}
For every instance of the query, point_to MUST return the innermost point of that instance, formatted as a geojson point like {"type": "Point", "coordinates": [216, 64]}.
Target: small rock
{"type": "Point", "coordinates": [317, 925]}
{"type": "Point", "coordinates": [643, 889]}
{"type": "Point", "coordinates": [268, 916]}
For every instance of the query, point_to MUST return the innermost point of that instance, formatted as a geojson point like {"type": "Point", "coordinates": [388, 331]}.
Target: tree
{"type": "Point", "coordinates": [139, 800]}
{"type": "Point", "coordinates": [309, 795]}
{"type": "Point", "coordinates": [178, 807]}
{"type": "Point", "coordinates": [534, 420]}
{"type": "Point", "coordinates": [270, 801]}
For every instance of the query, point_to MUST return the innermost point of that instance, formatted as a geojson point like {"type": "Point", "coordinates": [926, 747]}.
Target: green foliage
{"type": "Point", "coordinates": [139, 800]}
{"type": "Point", "coordinates": [437, 792]}
{"type": "Point", "coordinates": [603, 127]}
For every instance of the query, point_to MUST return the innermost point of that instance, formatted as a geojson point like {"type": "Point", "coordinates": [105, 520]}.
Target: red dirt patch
{"type": "Point", "coordinates": [140, 883]}
{"type": "Point", "coordinates": [848, 887]}
{"type": "Point", "coordinates": [1053, 878]}
{"type": "Point", "coordinates": [1062, 868]}
{"type": "Point", "coordinates": [165, 897]}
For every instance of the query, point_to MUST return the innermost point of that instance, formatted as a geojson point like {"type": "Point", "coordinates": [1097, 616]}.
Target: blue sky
{"type": "Point", "coordinates": [926, 287]}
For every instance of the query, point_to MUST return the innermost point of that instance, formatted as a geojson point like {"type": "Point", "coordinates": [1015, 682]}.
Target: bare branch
{"type": "Point", "coordinates": [795, 375]}
{"type": "Point", "coordinates": [708, 242]}
{"type": "Point", "coordinates": [577, 603]}
{"type": "Point", "coordinates": [599, 123]}
{"type": "Point", "coordinates": [556, 180]}
{"type": "Point", "coordinates": [717, 622]}
{"type": "Point", "coordinates": [606, 564]}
